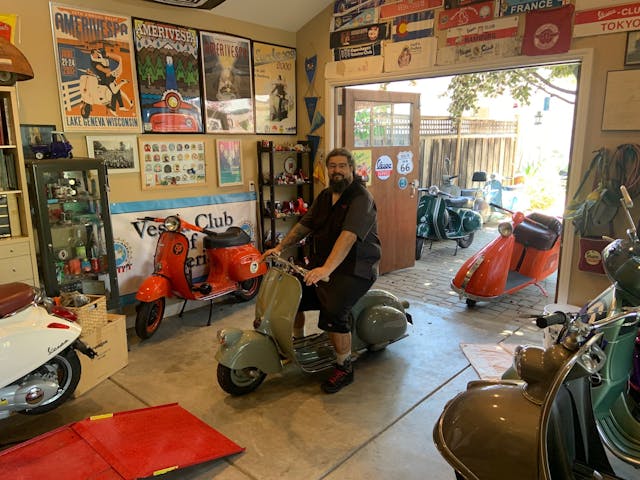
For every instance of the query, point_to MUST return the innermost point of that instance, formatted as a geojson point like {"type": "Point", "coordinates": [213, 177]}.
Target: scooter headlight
{"type": "Point", "coordinates": [172, 223]}
{"type": "Point", "coordinates": [505, 229]}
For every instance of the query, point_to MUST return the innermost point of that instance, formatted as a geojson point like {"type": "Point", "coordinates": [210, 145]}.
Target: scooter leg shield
{"type": "Point", "coordinates": [249, 349]}
{"type": "Point", "coordinates": [153, 288]}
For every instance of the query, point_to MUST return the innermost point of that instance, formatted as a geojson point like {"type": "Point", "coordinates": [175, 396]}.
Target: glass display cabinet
{"type": "Point", "coordinates": [74, 236]}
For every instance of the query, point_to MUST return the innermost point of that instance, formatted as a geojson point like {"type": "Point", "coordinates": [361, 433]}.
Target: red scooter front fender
{"type": "Point", "coordinates": [484, 275]}
{"type": "Point", "coordinates": [153, 288]}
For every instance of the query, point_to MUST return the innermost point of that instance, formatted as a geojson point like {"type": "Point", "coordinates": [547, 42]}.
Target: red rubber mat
{"type": "Point", "coordinates": [125, 445]}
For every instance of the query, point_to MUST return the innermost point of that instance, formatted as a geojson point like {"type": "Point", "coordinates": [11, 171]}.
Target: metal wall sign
{"type": "Point", "coordinates": [516, 7]}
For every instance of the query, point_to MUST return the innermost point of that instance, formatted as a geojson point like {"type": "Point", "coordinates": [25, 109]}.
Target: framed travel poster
{"type": "Point", "coordinates": [119, 152]}
{"type": "Point", "coordinates": [95, 70]}
{"type": "Point", "coordinates": [228, 90]}
{"type": "Point", "coordinates": [168, 77]}
{"type": "Point", "coordinates": [171, 163]}
{"type": "Point", "coordinates": [229, 155]}
{"type": "Point", "coordinates": [274, 71]}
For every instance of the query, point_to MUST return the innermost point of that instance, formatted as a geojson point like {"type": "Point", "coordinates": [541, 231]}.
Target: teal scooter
{"type": "Point", "coordinates": [442, 216]}
{"type": "Point", "coordinates": [245, 357]}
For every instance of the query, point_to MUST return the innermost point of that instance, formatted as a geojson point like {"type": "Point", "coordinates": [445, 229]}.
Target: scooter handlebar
{"type": "Point", "coordinates": [555, 318]}
{"type": "Point", "coordinates": [275, 258]}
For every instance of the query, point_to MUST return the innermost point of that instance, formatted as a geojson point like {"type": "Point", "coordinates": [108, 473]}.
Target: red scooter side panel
{"type": "Point", "coordinates": [243, 258]}
{"type": "Point", "coordinates": [490, 277]}
{"type": "Point", "coordinates": [539, 264]}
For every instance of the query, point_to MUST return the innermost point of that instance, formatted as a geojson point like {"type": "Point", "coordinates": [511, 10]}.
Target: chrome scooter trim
{"type": "Point", "coordinates": [471, 271]}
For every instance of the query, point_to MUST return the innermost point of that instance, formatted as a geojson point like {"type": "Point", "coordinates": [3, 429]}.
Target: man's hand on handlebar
{"type": "Point", "coordinates": [316, 275]}
{"type": "Point", "coordinates": [272, 251]}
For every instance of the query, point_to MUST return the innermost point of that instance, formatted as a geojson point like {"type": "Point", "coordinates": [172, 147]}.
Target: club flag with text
{"type": "Point", "coordinates": [548, 31]}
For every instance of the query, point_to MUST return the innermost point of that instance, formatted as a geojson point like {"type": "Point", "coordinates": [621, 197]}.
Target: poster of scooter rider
{"type": "Point", "coordinates": [168, 77]}
{"type": "Point", "coordinates": [274, 71]}
{"type": "Point", "coordinates": [95, 70]}
{"type": "Point", "coordinates": [228, 86]}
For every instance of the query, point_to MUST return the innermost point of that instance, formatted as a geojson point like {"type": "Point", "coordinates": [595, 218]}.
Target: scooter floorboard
{"type": "Point", "coordinates": [314, 353]}
{"type": "Point", "coordinates": [517, 280]}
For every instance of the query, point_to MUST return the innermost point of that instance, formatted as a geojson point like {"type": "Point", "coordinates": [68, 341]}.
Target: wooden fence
{"type": "Point", "coordinates": [470, 145]}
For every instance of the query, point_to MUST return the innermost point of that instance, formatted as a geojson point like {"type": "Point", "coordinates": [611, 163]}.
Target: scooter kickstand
{"type": "Point", "coordinates": [210, 310]}
{"type": "Point", "coordinates": [182, 309]}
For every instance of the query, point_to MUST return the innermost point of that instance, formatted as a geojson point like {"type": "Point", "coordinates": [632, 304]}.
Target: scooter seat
{"type": "Point", "coordinates": [14, 296]}
{"type": "Point", "coordinates": [468, 192]}
{"type": "Point", "coordinates": [234, 236]}
{"type": "Point", "coordinates": [536, 236]}
{"type": "Point", "coordinates": [455, 202]}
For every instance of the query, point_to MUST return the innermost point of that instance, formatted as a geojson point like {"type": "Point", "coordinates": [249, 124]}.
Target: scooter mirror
{"type": "Point", "coordinates": [626, 197]}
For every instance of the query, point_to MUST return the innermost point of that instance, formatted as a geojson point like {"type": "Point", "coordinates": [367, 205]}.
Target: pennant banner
{"type": "Point", "coordinates": [411, 27]}
{"type": "Point", "coordinates": [311, 103]}
{"type": "Point", "coordinates": [457, 17]}
{"type": "Point", "coordinates": [516, 7]}
{"type": "Point", "coordinates": [360, 18]}
{"type": "Point", "coordinates": [310, 66]}
{"type": "Point", "coordinates": [318, 121]}
{"type": "Point", "coordinates": [548, 31]}
{"type": "Point", "coordinates": [314, 142]}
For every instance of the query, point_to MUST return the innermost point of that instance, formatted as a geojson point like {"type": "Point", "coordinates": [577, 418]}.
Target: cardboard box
{"type": "Point", "coordinates": [110, 343]}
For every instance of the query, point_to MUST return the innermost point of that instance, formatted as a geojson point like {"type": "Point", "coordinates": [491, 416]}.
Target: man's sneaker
{"type": "Point", "coordinates": [341, 377]}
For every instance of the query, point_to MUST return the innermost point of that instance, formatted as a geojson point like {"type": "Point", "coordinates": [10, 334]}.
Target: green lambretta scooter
{"type": "Point", "coordinates": [442, 217]}
{"type": "Point", "coordinates": [245, 357]}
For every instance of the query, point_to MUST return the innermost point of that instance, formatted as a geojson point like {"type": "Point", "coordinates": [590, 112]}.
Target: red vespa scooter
{"type": "Point", "coordinates": [234, 268]}
{"type": "Point", "coordinates": [525, 253]}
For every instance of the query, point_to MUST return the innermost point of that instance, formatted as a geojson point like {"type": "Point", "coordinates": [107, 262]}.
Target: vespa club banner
{"type": "Point", "coordinates": [517, 7]}
{"type": "Point", "coordinates": [228, 83]}
{"type": "Point", "coordinates": [503, 47]}
{"type": "Point", "coordinates": [482, 32]}
{"type": "Point", "coordinates": [94, 63]}
{"type": "Point", "coordinates": [405, 7]}
{"type": "Point", "coordinates": [548, 32]}
{"type": "Point", "coordinates": [609, 19]}
{"type": "Point", "coordinates": [135, 240]}
{"type": "Point", "coordinates": [358, 36]}
{"type": "Point", "coordinates": [168, 77]}
{"type": "Point", "coordinates": [409, 55]}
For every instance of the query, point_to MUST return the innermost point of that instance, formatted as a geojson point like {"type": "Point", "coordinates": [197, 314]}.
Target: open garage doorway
{"type": "Point", "coordinates": [518, 133]}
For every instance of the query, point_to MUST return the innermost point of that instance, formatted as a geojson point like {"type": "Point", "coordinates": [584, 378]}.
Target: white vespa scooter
{"type": "Point", "coordinates": [39, 367]}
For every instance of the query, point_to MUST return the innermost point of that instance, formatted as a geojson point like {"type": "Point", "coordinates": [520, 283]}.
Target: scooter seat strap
{"type": "Point", "coordinates": [14, 296]}
{"type": "Point", "coordinates": [234, 236]}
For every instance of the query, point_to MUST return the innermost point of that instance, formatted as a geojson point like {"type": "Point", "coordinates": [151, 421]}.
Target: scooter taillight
{"type": "Point", "coordinates": [62, 312]}
{"type": "Point", "coordinates": [58, 325]}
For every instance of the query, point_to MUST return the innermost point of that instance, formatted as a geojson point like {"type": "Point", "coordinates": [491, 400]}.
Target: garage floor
{"type": "Point", "coordinates": [379, 427]}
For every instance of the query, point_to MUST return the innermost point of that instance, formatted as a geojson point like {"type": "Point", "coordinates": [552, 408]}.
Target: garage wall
{"type": "Point", "coordinates": [608, 54]}
{"type": "Point", "coordinates": [39, 101]}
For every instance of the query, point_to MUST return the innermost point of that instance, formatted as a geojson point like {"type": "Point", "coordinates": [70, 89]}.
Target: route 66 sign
{"type": "Point", "coordinates": [405, 163]}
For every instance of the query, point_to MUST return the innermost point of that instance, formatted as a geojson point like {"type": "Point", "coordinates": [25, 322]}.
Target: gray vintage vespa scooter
{"type": "Point", "coordinates": [245, 357]}
{"type": "Point", "coordinates": [572, 398]}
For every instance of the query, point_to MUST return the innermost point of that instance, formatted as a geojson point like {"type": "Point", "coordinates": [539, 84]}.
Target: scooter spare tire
{"type": "Point", "coordinates": [419, 246]}
{"type": "Point", "coordinates": [149, 317]}
{"type": "Point", "coordinates": [241, 381]}
{"type": "Point", "coordinates": [249, 289]}
{"type": "Point", "coordinates": [466, 241]}
{"type": "Point", "coordinates": [66, 369]}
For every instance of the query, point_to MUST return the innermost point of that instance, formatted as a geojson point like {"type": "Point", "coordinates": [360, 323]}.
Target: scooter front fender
{"type": "Point", "coordinates": [490, 431]}
{"type": "Point", "coordinates": [153, 288]}
{"type": "Point", "coordinates": [250, 349]}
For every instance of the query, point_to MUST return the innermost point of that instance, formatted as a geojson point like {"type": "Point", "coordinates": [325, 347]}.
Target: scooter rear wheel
{"type": "Point", "coordinates": [66, 369]}
{"type": "Point", "coordinates": [149, 317]}
{"type": "Point", "coordinates": [241, 381]}
{"type": "Point", "coordinates": [249, 289]}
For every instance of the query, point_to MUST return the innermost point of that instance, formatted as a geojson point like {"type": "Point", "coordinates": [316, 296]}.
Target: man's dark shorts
{"type": "Point", "coordinates": [334, 299]}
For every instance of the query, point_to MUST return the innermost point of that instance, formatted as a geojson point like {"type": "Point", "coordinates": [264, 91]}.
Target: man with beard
{"type": "Point", "coordinates": [346, 250]}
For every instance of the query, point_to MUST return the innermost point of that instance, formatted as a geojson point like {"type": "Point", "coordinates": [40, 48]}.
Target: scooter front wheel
{"type": "Point", "coordinates": [65, 369]}
{"type": "Point", "coordinates": [241, 381]}
{"type": "Point", "coordinates": [149, 317]}
{"type": "Point", "coordinates": [249, 289]}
